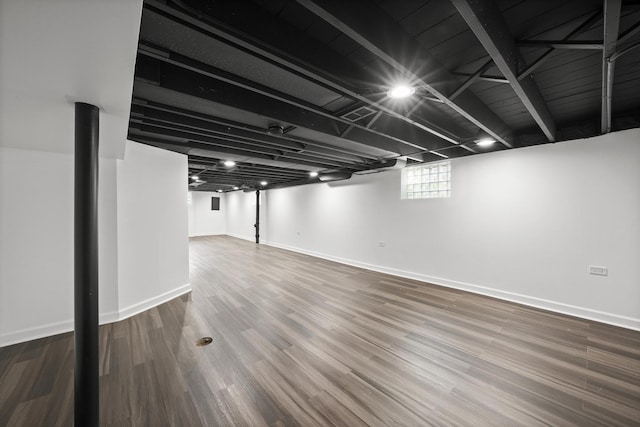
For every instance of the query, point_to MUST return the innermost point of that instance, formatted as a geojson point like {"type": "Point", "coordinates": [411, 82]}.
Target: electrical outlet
{"type": "Point", "coordinates": [381, 244]}
{"type": "Point", "coordinates": [598, 271]}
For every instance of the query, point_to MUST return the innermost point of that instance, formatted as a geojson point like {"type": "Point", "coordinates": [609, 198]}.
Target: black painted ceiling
{"type": "Point", "coordinates": [284, 88]}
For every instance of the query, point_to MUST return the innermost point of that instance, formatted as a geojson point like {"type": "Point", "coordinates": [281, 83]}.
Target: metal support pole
{"type": "Point", "coordinates": [257, 224]}
{"type": "Point", "coordinates": [86, 390]}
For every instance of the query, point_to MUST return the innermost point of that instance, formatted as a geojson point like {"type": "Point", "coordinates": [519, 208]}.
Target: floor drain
{"type": "Point", "coordinates": [204, 341]}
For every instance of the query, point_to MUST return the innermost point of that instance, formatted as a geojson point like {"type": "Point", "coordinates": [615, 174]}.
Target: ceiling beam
{"type": "Point", "coordinates": [181, 74]}
{"type": "Point", "coordinates": [584, 26]}
{"type": "Point", "coordinates": [629, 32]}
{"type": "Point", "coordinates": [611, 29]}
{"type": "Point", "coordinates": [284, 47]}
{"type": "Point", "coordinates": [472, 78]}
{"type": "Point", "coordinates": [224, 143]}
{"type": "Point", "coordinates": [142, 115]}
{"type": "Point", "coordinates": [211, 150]}
{"type": "Point", "coordinates": [178, 82]}
{"type": "Point", "coordinates": [563, 44]}
{"type": "Point", "coordinates": [487, 23]}
{"type": "Point", "coordinates": [490, 79]}
{"type": "Point", "coordinates": [155, 109]}
{"type": "Point", "coordinates": [183, 132]}
{"type": "Point", "coordinates": [370, 27]}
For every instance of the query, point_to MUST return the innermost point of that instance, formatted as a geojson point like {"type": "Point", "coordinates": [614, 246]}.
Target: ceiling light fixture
{"type": "Point", "coordinates": [229, 163]}
{"type": "Point", "coordinates": [485, 142]}
{"type": "Point", "coordinates": [219, 191]}
{"type": "Point", "coordinates": [236, 188]}
{"type": "Point", "coordinates": [313, 174]}
{"type": "Point", "coordinates": [195, 177]}
{"type": "Point", "coordinates": [276, 130]}
{"type": "Point", "coordinates": [263, 183]}
{"type": "Point", "coordinates": [401, 91]}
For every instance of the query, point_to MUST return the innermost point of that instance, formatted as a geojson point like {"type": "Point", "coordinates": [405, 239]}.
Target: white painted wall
{"type": "Point", "coordinates": [241, 215]}
{"type": "Point", "coordinates": [36, 240]}
{"type": "Point", "coordinates": [36, 243]}
{"type": "Point", "coordinates": [52, 54]}
{"type": "Point", "coordinates": [202, 220]}
{"type": "Point", "coordinates": [522, 225]}
{"type": "Point", "coordinates": [153, 246]}
{"type": "Point", "coordinates": [142, 227]}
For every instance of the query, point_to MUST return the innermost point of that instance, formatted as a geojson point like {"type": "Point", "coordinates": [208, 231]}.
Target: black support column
{"type": "Point", "coordinates": [257, 225]}
{"type": "Point", "coordinates": [86, 393]}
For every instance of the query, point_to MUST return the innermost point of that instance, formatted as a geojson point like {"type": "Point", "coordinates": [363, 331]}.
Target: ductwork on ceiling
{"type": "Point", "coordinates": [384, 165]}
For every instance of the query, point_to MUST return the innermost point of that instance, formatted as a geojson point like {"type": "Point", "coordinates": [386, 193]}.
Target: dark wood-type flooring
{"type": "Point", "coordinates": [307, 342]}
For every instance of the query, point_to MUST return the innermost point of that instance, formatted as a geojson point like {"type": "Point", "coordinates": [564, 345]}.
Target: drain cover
{"type": "Point", "coordinates": [204, 341]}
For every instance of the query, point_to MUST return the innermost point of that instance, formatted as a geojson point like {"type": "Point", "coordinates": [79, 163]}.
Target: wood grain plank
{"type": "Point", "coordinates": [301, 341]}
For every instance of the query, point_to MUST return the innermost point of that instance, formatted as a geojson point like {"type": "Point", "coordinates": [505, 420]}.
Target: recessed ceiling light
{"type": "Point", "coordinates": [485, 142]}
{"type": "Point", "coordinates": [401, 91]}
{"type": "Point", "coordinates": [263, 183]}
{"type": "Point", "coordinates": [195, 177]}
{"type": "Point", "coordinates": [313, 174]}
{"type": "Point", "coordinates": [229, 163]}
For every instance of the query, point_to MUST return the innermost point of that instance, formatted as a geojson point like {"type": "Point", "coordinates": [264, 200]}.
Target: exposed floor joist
{"type": "Point", "coordinates": [331, 79]}
{"type": "Point", "coordinates": [487, 23]}
{"type": "Point", "coordinates": [368, 26]}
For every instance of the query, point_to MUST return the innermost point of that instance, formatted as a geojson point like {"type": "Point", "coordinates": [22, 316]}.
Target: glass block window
{"type": "Point", "coordinates": [428, 181]}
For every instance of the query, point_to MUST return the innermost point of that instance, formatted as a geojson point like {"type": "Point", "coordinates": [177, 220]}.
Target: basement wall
{"type": "Point", "coordinates": [241, 215]}
{"type": "Point", "coordinates": [153, 246]}
{"type": "Point", "coordinates": [522, 225]}
{"type": "Point", "coordinates": [143, 244]}
{"type": "Point", "coordinates": [202, 220]}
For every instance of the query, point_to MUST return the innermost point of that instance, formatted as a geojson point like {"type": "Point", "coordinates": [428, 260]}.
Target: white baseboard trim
{"type": "Point", "coordinates": [206, 234]}
{"type": "Point", "coordinates": [35, 332]}
{"type": "Point", "coordinates": [56, 328]}
{"type": "Point", "coordinates": [558, 307]}
{"type": "Point", "coordinates": [141, 306]}
{"type": "Point", "coordinates": [243, 237]}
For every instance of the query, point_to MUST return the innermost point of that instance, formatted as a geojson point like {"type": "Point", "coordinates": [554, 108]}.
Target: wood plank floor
{"type": "Point", "coordinates": [299, 341]}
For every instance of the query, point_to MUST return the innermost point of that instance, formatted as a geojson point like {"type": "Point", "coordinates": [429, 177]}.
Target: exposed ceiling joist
{"type": "Point", "coordinates": [367, 25]}
{"type": "Point", "coordinates": [157, 110]}
{"type": "Point", "coordinates": [283, 89]}
{"type": "Point", "coordinates": [563, 44]}
{"type": "Point", "coordinates": [330, 73]}
{"type": "Point", "coordinates": [611, 29]}
{"type": "Point", "coordinates": [629, 32]}
{"type": "Point", "coordinates": [204, 140]}
{"type": "Point", "coordinates": [592, 19]}
{"type": "Point", "coordinates": [216, 151]}
{"type": "Point", "coordinates": [490, 79]}
{"type": "Point", "coordinates": [487, 23]}
{"type": "Point", "coordinates": [472, 78]}
{"type": "Point", "coordinates": [176, 131]}
{"type": "Point", "coordinates": [181, 81]}
{"type": "Point", "coordinates": [146, 116]}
